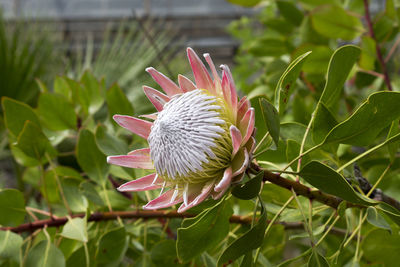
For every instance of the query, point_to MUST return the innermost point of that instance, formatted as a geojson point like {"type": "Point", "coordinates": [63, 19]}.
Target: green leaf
{"type": "Point", "coordinates": [374, 218]}
{"type": "Point", "coordinates": [92, 92]}
{"type": "Point", "coordinates": [50, 187]}
{"type": "Point", "coordinates": [324, 122]}
{"type": "Point", "coordinates": [390, 211]}
{"type": "Point", "coordinates": [331, 182]}
{"type": "Point", "coordinates": [56, 112]}
{"type": "Point", "coordinates": [112, 246]}
{"type": "Point", "coordinates": [90, 158]}
{"type": "Point", "coordinates": [317, 61]}
{"type": "Point", "coordinates": [271, 119]}
{"type": "Point", "coordinates": [249, 241]}
{"type": "Point", "coordinates": [33, 142]}
{"type": "Point", "coordinates": [368, 53]}
{"type": "Point", "coordinates": [292, 151]}
{"type": "Point", "coordinates": [10, 245]}
{"type": "Point", "coordinates": [362, 127]}
{"type": "Point", "coordinates": [16, 114]}
{"type": "Point", "coordinates": [75, 229]}
{"type": "Point", "coordinates": [76, 200]}
{"type": "Point", "coordinates": [295, 131]}
{"type": "Point", "coordinates": [164, 254]}
{"type": "Point", "coordinates": [381, 246]}
{"type": "Point", "coordinates": [12, 207]}
{"type": "Point", "coordinates": [250, 189]}
{"type": "Point", "coordinates": [393, 147]}
{"type": "Point", "coordinates": [340, 65]}
{"type": "Point", "coordinates": [287, 82]}
{"type": "Point", "coordinates": [62, 87]}
{"type": "Point", "coordinates": [317, 260]}
{"type": "Point", "coordinates": [204, 231]}
{"type": "Point", "coordinates": [109, 144]}
{"type": "Point", "coordinates": [117, 102]}
{"type": "Point", "coordinates": [259, 120]}
{"type": "Point", "coordinates": [290, 12]}
{"type": "Point", "coordinates": [268, 47]}
{"type": "Point", "coordinates": [334, 22]}
{"type": "Point", "coordinates": [90, 192]}
{"type": "Point", "coordinates": [245, 3]}
{"type": "Point", "coordinates": [45, 254]}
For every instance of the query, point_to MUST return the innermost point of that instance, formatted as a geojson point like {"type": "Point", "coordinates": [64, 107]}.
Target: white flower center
{"type": "Point", "coordinates": [190, 137]}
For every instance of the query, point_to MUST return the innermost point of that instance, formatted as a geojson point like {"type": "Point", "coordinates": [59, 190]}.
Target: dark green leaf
{"type": "Point", "coordinates": [271, 119]}
{"type": "Point", "coordinates": [362, 127]}
{"type": "Point", "coordinates": [90, 158]}
{"type": "Point", "coordinates": [259, 120]}
{"type": "Point", "coordinates": [117, 102]}
{"type": "Point", "coordinates": [45, 254]}
{"type": "Point", "coordinates": [317, 260]}
{"type": "Point", "coordinates": [109, 144]}
{"type": "Point", "coordinates": [374, 218]}
{"type": "Point", "coordinates": [75, 229]}
{"type": "Point", "coordinates": [290, 12]}
{"type": "Point", "coordinates": [56, 112]}
{"type": "Point", "coordinates": [204, 231]}
{"type": "Point", "coordinates": [296, 131]}
{"type": "Point", "coordinates": [393, 147]}
{"type": "Point", "coordinates": [390, 211]}
{"type": "Point", "coordinates": [250, 189]}
{"type": "Point", "coordinates": [381, 246]}
{"type": "Point", "coordinates": [112, 246]}
{"type": "Point", "coordinates": [324, 122]}
{"type": "Point", "coordinates": [33, 142]}
{"type": "Point", "coordinates": [249, 241]}
{"type": "Point", "coordinates": [292, 151]}
{"type": "Point", "coordinates": [331, 182]}
{"type": "Point", "coordinates": [12, 207]}
{"type": "Point", "coordinates": [334, 22]}
{"type": "Point", "coordinates": [90, 192]}
{"type": "Point", "coordinates": [287, 82]}
{"type": "Point", "coordinates": [164, 254]}
{"type": "Point", "coordinates": [16, 114]}
{"type": "Point", "coordinates": [340, 65]}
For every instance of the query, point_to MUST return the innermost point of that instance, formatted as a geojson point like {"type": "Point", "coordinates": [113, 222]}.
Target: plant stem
{"type": "Point", "coordinates": [378, 49]}
{"type": "Point", "coordinates": [379, 180]}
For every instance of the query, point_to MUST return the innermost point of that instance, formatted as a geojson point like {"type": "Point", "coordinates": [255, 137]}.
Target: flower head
{"type": "Point", "coordinates": [200, 141]}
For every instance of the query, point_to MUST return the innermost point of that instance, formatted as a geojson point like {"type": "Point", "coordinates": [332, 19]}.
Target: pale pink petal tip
{"type": "Point", "coordinates": [166, 84]}
{"type": "Point", "coordinates": [157, 98]}
{"type": "Point", "coordinates": [236, 137]}
{"type": "Point", "coordinates": [139, 161]}
{"type": "Point", "coordinates": [225, 181]}
{"type": "Point", "coordinates": [201, 75]}
{"type": "Point", "coordinates": [137, 126]}
{"type": "Point", "coordinates": [148, 182]}
{"type": "Point", "coordinates": [163, 201]}
{"type": "Point", "coordinates": [197, 197]}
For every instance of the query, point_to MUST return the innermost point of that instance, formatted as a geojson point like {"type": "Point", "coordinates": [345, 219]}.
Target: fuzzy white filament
{"type": "Point", "coordinates": [184, 133]}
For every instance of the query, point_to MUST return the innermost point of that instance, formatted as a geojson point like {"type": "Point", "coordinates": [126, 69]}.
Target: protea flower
{"type": "Point", "coordinates": [200, 141]}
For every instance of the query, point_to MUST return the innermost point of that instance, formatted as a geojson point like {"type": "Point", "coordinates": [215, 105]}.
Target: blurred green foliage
{"type": "Point", "coordinates": [331, 108]}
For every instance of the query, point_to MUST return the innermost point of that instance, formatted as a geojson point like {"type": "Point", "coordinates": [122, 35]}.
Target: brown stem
{"type": "Point", "coordinates": [299, 188]}
{"type": "Point", "coordinates": [378, 49]}
{"type": "Point", "coordinates": [144, 214]}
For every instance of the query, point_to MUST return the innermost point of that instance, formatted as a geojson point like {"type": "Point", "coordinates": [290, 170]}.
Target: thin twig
{"type": "Point", "coordinates": [378, 49]}
{"type": "Point", "coordinates": [392, 50]}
